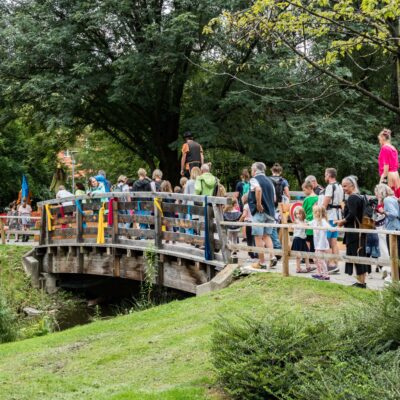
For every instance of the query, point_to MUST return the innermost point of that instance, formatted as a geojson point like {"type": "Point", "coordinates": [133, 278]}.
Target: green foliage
{"type": "Point", "coordinates": [8, 325]}
{"type": "Point", "coordinates": [354, 357]}
{"type": "Point", "coordinates": [150, 275]}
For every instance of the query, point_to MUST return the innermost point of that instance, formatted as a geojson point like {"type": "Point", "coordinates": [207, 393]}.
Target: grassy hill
{"type": "Point", "coordinates": [160, 353]}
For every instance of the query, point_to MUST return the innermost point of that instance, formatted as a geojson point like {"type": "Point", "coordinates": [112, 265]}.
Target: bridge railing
{"type": "Point", "coordinates": [286, 253]}
{"type": "Point", "coordinates": [185, 223]}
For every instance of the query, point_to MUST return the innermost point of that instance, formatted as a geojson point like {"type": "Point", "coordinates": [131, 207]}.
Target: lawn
{"type": "Point", "coordinates": [160, 353]}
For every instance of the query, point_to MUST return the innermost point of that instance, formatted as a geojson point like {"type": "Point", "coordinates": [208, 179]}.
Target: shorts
{"type": "Point", "coordinates": [332, 235]}
{"type": "Point", "coordinates": [259, 230]}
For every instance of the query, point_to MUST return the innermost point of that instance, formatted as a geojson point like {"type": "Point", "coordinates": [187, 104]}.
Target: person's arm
{"type": "Point", "coordinates": [384, 173]}
{"type": "Point", "coordinates": [183, 162]}
{"type": "Point", "coordinates": [201, 156]}
{"type": "Point", "coordinates": [197, 186]}
{"type": "Point", "coordinates": [351, 216]}
{"type": "Point", "coordinates": [391, 211]}
{"type": "Point", "coordinates": [258, 199]}
{"type": "Point", "coordinates": [286, 189]}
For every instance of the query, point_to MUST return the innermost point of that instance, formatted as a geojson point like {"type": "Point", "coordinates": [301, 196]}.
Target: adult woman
{"type": "Point", "coordinates": [388, 162]}
{"type": "Point", "coordinates": [355, 242]}
{"type": "Point", "coordinates": [96, 187]}
{"type": "Point", "coordinates": [25, 211]}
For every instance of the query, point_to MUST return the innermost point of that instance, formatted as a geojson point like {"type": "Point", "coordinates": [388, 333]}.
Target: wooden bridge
{"type": "Point", "coordinates": [112, 235]}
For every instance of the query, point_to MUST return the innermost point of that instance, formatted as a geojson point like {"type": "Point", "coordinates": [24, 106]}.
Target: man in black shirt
{"type": "Point", "coordinates": [192, 155]}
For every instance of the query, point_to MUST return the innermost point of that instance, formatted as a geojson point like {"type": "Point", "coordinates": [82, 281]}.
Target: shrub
{"type": "Point", "coordinates": [8, 322]}
{"type": "Point", "coordinates": [258, 359]}
{"type": "Point", "coordinates": [355, 356]}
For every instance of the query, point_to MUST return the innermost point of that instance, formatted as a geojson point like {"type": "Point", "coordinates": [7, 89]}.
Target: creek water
{"type": "Point", "coordinates": [102, 298]}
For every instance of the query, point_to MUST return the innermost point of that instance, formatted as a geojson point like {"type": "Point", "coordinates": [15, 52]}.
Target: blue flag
{"type": "Point", "coordinates": [25, 187]}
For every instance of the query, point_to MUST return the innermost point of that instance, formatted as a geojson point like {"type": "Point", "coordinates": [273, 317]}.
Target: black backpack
{"type": "Point", "coordinates": [367, 220]}
{"type": "Point", "coordinates": [277, 181]}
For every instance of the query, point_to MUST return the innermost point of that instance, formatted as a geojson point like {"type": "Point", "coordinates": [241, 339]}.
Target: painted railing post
{"type": "Point", "coordinates": [79, 225]}
{"type": "Point", "coordinates": [218, 214]}
{"type": "Point", "coordinates": [157, 223]}
{"type": "Point", "coordinates": [394, 257]}
{"type": "Point", "coordinates": [286, 251]}
{"type": "Point", "coordinates": [210, 221]}
{"type": "Point", "coordinates": [43, 227]}
{"type": "Point", "coordinates": [115, 221]}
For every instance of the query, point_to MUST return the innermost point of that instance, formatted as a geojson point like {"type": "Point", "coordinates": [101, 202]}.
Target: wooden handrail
{"type": "Point", "coordinates": [140, 195]}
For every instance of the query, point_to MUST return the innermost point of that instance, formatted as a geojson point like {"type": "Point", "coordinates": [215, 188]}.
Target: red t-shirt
{"type": "Point", "coordinates": [388, 156]}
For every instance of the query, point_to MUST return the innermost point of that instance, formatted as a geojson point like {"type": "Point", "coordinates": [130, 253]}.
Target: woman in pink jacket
{"type": "Point", "coordinates": [388, 161]}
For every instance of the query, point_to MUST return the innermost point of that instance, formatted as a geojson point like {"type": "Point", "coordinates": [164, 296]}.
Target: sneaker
{"type": "Point", "coordinates": [316, 276]}
{"type": "Point", "coordinates": [274, 261]}
{"type": "Point", "coordinates": [360, 285]}
{"type": "Point", "coordinates": [263, 266]}
{"type": "Point", "coordinates": [384, 274]}
{"type": "Point", "coordinates": [333, 269]}
{"type": "Point", "coordinates": [325, 278]}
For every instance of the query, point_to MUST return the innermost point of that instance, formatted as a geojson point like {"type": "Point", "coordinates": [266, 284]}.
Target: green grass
{"type": "Point", "coordinates": [160, 353]}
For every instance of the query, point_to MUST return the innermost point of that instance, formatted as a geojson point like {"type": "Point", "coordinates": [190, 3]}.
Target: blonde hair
{"type": "Point", "coordinates": [157, 173]}
{"type": "Point", "coordinates": [194, 173]}
{"type": "Point", "coordinates": [230, 207]}
{"type": "Point", "coordinates": [142, 172]}
{"type": "Point", "coordinates": [386, 134]}
{"type": "Point", "coordinates": [307, 185]}
{"type": "Point", "coordinates": [183, 181]}
{"type": "Point", "coordinates": [166, 187]}
{"type": "Point", "coordinates": [300, 211]}
{"type": "Point", "coordinates": [383, 191]}
{"type": "Point", "coordinates": [319, 213]}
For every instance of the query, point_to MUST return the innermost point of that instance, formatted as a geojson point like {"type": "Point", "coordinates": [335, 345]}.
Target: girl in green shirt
{"type": "Point", "coordinates": [308, 203]}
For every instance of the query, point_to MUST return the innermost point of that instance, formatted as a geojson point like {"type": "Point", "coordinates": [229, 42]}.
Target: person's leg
{"type": "Point", "coordinates": [268, 244]}
{"type": "Point", "coordinates": [260, 243]}
{"type": "Point", "coordinates": [250, 241]}
{"type": "Point", "coordinates": [298, 267]}
{"type": "Point", "coordinates": [275, 239]}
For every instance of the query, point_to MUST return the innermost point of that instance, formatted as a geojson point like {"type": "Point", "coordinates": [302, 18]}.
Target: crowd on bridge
{"type": "Point", "coordinates": [259, 198]}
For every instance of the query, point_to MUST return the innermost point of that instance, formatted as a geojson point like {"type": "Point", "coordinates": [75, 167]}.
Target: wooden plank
{"type": "Point", "coordinates": [183, 237]}
{"type": "Point", "coordinates": [2, 231]}
{"type": "Point", "coordinates": [114, 235]}
{"type": "Point", "coordinates": [139, 219]}
{"type": "Point", "coordinates": [286, 251]}
{"type": "Point", "coordinates": [146, 233]}
{"type": "Point", "coordinates": [210, 219]}
{"type": "Point", "coordinates": [79, 227]}
{"type": "Point", "coordinates": [394, 257]}
{"type": "Point", "coordinates": [139, 195]}
{"type": "Point", "coordinates": [184, 209]}
{"type": "Point", "coordinates": [158, 226]}
{"type": "Point", "coordinates": [219, 217]}
{"type": "Point", "coordinates": [43, 227]}
{"type": "Point", "coordinates": [185, 223]}
{"type": "Point", "coordinates": [144, 205]}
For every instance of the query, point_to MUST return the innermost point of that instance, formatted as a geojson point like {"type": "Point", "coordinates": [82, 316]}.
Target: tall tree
{"type": "Point", "coordinates": [120, 66]}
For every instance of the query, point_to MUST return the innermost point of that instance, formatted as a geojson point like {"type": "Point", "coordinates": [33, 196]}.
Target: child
{"type": "Point", "coordinates": [247, 217]}
{"type": "Point", "coordinates": [232, 215]}
{"type": "Point", "coordinates": [321, 243]}
{"type": "Point", "coordinates": [300, 239]}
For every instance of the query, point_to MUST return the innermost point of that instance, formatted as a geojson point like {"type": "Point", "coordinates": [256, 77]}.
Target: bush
{"type": "Point", "coordinates": [8, 322]}
{"type": "Point", "coordinates": [258, 359]}
{"type": "Point", "coordinates": [354, 357]}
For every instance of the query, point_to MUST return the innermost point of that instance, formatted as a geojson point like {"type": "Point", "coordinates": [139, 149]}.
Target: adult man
{"type": "Point", "coordinates": [332, 201]}
{"type": "Point", "coordinates": [192, 154]}
{"type": "Point", "coordinates": [205, 183]}
{"type": "Point", "coordinates": [317, 188]}
{"type": "Point", "coordinates": [261, 203]}
{"type": "Point", "coordinates": [242, 187]}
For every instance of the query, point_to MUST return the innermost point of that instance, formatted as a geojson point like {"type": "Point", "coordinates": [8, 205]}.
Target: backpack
{"type": "Point", "coordinates": [367, 220]}
{"type": "Point", "coordinates": [219, 190]}
{"type": "Point", "coordinates": [278, 185]}
{"type": "Point", "coordinates": [246, 188]}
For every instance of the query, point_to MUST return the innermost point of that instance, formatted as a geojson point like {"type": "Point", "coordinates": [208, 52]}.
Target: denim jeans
{"type": "Point", "coordinates": [275, 239]}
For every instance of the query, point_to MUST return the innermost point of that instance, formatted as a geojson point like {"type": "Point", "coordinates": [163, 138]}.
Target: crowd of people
{"type": "Point", "coordinates": [265, 199]}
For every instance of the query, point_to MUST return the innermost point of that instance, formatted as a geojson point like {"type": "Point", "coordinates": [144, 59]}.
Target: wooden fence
{"type": "Point", "coordinates": [286, 253]}
{"type": "Point", "coordinates": [125, 218]}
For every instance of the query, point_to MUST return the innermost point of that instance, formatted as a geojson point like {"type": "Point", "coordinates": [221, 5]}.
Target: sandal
{"type": "Point", "coordinates": [311, 269]}
{"type": "Point", "coordinates": [302, 271]}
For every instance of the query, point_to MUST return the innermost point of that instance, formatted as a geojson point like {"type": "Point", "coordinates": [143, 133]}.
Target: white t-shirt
{"type": "Point", "coordinates": [320, 238]}
{"type": "Point", "coordinates": [246, 211]}
{"type": "Point", "coordinates": [61, 194]}
{"type": "Point", "coordinates": [336, 200]}
{"type": "Point", "coordinates": [299, 232]}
